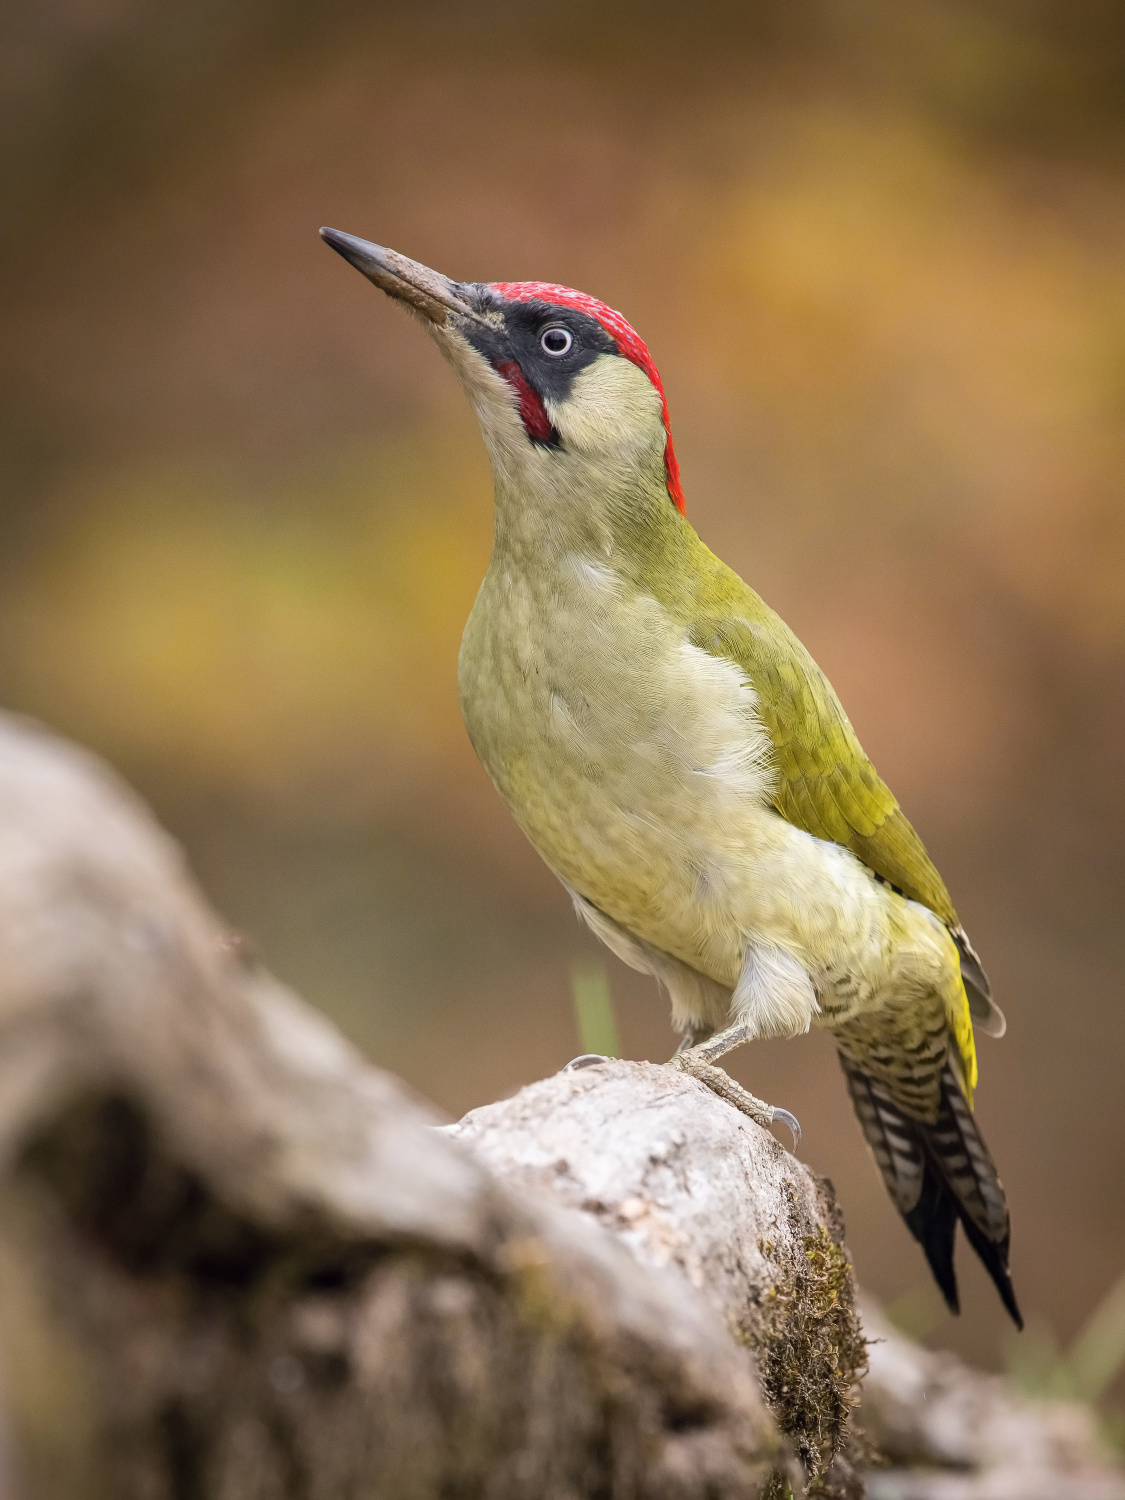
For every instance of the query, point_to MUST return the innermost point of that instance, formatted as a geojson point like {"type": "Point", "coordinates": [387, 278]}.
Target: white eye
{"type": "Point", "coordinates": [556, 341]}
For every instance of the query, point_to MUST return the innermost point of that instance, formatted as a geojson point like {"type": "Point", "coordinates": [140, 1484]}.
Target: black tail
{"type": "Point", "coordinates": [937, 1174]}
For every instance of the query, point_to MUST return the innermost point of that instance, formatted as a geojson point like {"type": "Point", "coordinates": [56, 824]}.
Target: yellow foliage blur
{"type": "Point", "coordinates": [291, 642]}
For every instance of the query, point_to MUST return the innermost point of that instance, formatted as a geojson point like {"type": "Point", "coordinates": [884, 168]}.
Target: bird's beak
{"type": "Point", "coordinates": [429, 292]}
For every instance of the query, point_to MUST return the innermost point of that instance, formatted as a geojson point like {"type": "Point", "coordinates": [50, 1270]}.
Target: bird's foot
{"type": "Point", "coordinates": [723, 1084]}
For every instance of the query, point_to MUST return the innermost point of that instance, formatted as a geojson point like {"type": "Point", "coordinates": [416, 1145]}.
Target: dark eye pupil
{"type": "Point", "coordinates": [556, 340]}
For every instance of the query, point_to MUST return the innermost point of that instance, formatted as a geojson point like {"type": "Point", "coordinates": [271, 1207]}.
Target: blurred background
{"type": "Point", "coordinates": [878, 252]}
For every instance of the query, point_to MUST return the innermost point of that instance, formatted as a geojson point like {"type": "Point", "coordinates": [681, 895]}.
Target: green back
{"type": "Point", "coordinates": [825, 783]}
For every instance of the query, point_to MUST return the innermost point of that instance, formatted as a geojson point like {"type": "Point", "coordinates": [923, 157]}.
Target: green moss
{"type": "Point", "coordinates": [777, 1487]}
{"type": "Point", "coordinates": [811, 1355]}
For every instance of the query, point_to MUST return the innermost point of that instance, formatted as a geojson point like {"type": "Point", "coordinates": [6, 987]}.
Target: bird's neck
{"type": "Point", "coordinates": [555, 506]}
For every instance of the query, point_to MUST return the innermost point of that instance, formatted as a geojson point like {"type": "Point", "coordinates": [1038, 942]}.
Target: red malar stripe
{"type": "Point", "coordinates": [533, 414]}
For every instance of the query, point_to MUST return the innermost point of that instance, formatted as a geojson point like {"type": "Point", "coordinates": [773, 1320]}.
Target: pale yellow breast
{"type": "Point", "coordinates": [635, 763]}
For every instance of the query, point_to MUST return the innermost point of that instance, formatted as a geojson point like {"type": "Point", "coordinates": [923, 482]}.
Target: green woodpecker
{"type": "Point", "coordinates": [684, 767]}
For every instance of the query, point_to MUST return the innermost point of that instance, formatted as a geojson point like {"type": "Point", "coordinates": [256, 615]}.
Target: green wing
{"type": "Point", "coordinates": [826, 784]}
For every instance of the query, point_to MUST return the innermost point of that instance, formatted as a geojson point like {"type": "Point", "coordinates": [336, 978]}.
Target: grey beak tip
{"type": "Point", "coordinates": [361, 254]}
{"type": "Point", "coordinates": [339, 241]}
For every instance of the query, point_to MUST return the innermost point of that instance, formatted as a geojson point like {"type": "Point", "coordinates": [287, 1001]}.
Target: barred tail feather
{"type": "Point", "coordinates": [937, 1174]}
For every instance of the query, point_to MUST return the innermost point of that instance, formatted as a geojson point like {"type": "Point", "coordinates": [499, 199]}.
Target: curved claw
{"type": "Point", "coordinates": [782, 1117]}
{"type": "Point", "coordinates": [589, 1060]}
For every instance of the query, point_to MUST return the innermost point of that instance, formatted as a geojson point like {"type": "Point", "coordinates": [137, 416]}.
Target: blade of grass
{"type": "Point", "coordinates": [1098, 1353]}
{"type": "Point", "coordinates": [593, 1010]}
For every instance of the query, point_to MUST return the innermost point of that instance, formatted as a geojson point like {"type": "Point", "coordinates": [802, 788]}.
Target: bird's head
{"type": "Point", "coordinates": [569, 400]}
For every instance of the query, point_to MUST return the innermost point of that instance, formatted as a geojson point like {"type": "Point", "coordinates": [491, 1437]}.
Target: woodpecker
{"type": "Point", "coordinates": [684, 767]}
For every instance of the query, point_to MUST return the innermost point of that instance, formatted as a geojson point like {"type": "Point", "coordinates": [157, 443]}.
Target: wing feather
{"type": "Point", "coordinates": [825, 783]}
